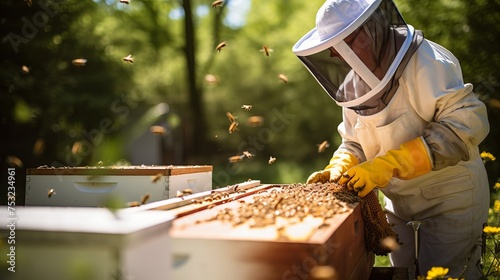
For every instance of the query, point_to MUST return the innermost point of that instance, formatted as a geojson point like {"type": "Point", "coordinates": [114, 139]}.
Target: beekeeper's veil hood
{"type": "Point", "coordinates": [358, 51]}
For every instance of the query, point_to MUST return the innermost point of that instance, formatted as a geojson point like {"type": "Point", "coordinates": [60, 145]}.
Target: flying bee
{"type": "Point", "coordinates": [230, 117]}
{"type": "Point", "coordinates": [25, 69]}
{"type": "Point", "coordinates": [283, 78]}
{"type": "Point", "coordinates": [234, 159]}
{"type": "Point", "coordinates": [29, 2]}
{"type": "Point", "coordinates": [271, 160]}
{"type": "Point", "coordinates": [220, 46]}
{"type": "Point", "coordinates": [179, 194]}
{"type": "Point", "coordinates": [156, 177]}
{"type": "Point", "coordinates": [266, 50]}
{"type": "Point", "coordinates": [14, 161]}
{"type": "Point", "coordinates": [39, 146]}
{"type": "Point", "coordinates": [248, 154]}
{"type": "Point", "coordinates": [77, 146]}
{"type": "Point", "coordinates": [255, 121]}
{"type": "Point", "coordinates": [322, 147]}
{"type": "Point", "coordinates": [233, 127]}
{"type": "Point", "coordinates": [128, 59]}
{"type": "Point", "coordinates": [246, 107]}
{"type": "Point", "coordinates": [51, 192]}
{"type": "Point", "coordinates": [158, 130]}
{"type": "Point", "coordinates": [125, 1]}
{"type": "Point", "coordinates": [79, 62]}
{"type": "Point", "coordinates": [145, 198]}
{"type": "Point", "coordinates": [187, 191]}
{"type": "Point", "coordinates": [211, 79]}
{"type": "Point", "coordinates": [217, 3]}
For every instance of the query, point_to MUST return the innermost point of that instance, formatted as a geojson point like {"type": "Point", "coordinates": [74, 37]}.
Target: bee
{"type": "Point", "coordinates": [179, 194]}
{"type": "Point", "coordinates": [128, 59]}
{"type": "Point", "coordinates": [29, 2]}
{"type": "Point", "coordinates": [51, 192]}
{"type": "Point", "coordinates": [234, 159]}
{"type": "Point", "coordinates": [156, 177]}
{"type": "Point", "coordinates": [158, 130]}
{"type": "Point", "coordinates": [145, 198]}
{"type": "Point", "coordinates": [25, 69]}
{"type": "Point", "coordinates": [79, 62]}
{"type": "Point", "coordinates": [248, 154]}
{"type": "Point", "coordinates": [246, 107]}
{"type": "Point", "coordinates": [77, 146]}
{"type": "Point", "coordinates": [14, 161]}
{"type": "Point", "coordinates": [133, 204]}
{"type": "Point", "coordinates": [230, 117]}
{"type": "Point", "coordinates": [220, 46]}
{"type": "Point", "coordinates": [39, 146]}
{"type": "Point", "coordinates": [217, 3]}
{"type": "Point", "coordinates": [283, 78]}
{"type": "Point", "coordinates": [187, 191]}
{"type": "Point", "coordinates": [211, 79]}
{"type": "Point", "coordinates": [266, 50]}
{"type": "Point", "coordinates": [271, 160]}
{"type": "Point", "coordinates": [322, 147]}
{"type": "Point", "coordinates": [255, 121]}
{"type": "Point", "coordinates": [233, 127]}
{"type": "Point", "coordinates": [125, 1]}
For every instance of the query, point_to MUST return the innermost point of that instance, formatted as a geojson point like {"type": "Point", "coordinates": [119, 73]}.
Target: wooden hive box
{"type": "Point", "coordinates": [208, 248]}
{"type": "Point", "coordinates": [90, 186]}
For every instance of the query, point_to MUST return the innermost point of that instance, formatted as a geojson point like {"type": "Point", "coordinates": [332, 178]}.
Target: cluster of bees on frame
{"type": "Point", "coordinates": [286, 205]}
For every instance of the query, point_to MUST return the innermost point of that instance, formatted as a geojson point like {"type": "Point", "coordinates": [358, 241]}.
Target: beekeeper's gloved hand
{"type": "Point", "coordinates": [339, 163]}
{"type": "Point", "coordinates": [410, 161]}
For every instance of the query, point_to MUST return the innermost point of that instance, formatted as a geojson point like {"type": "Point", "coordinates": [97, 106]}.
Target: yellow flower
{"type": "Point", "coordinates": [491, 230]}
{"type": "Point", "coordinates": [437, 273]}
{"type": "Point", "coordinates": [487, 156]}
{"type": "Point", "coordinates": [496, 206]}
{"type": "Point", "coordinates": [497, 186]}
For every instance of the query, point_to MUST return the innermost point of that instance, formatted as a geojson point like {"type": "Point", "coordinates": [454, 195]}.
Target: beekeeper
{"type": "Point", "coordinates": [410, 128]}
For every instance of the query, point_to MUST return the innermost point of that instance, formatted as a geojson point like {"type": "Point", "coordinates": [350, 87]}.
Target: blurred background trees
{"type": "Point", "coordinates": [56, 113]}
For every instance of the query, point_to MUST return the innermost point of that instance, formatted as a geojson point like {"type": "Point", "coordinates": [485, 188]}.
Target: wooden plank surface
{"type": "Point", "coordinates": [139, 170]}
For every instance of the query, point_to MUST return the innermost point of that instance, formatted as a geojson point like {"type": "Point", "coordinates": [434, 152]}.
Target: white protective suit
{"type": "Point", "coordinates": [417, 90]}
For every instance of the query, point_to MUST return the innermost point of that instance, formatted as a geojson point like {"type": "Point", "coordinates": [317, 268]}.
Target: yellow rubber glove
{"type": "Point", "coordinates": [410, 161]}
{"type": "Point", "coordinates": [339, 163]}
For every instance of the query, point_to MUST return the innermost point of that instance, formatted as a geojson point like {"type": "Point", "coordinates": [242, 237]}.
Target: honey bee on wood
{"type": "Point", "coordinates": [187, 191]}
{"type": "Point", "coordinates": [246, 107]}
{"type": "Point", "coordinates": [158, 130]}
{"type": "Point", "coordinates": [79, 62]}
{"type": "Point", "coordinates": [266, 50]}
{"type": "Point", "coordinates": [156, 177]}
{"type": "Point", "coordinates": [248, 154]}
{"type": "Point", "coordinates": [271, 160]}
{"type": "Point", "coordinates": [217, 3]}
{"type": "Point", "coordinates": [25, 69]}
{"type": "Point", "coordinates": [133, 204]}
{"type": "Point", "coordinates": [233, 127]}
{"type": "Point", "coordinates": [128, 59]}
{"type": "Point", "coordinates": [14, 161]}
{"type": "Point", "coordinates": [51, 192]}
{"type": "Point", "coordinates": [145, 198]}
{"type": "Point", "coordinates": [322, 147]}
{"type": "Point", "coordinates": [220, 46]}
{"type": "Point", "coordinates": [255, 121]}
{"type": "Point", "coordinates": [125, 1]}
{"type": "Point", "coordinates": [283, 78]}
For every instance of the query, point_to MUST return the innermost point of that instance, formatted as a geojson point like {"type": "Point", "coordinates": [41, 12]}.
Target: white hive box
{"type": "Point", "coordinates": [87, 243]}
{"type": "Point", "coordinates": [91, 186]}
